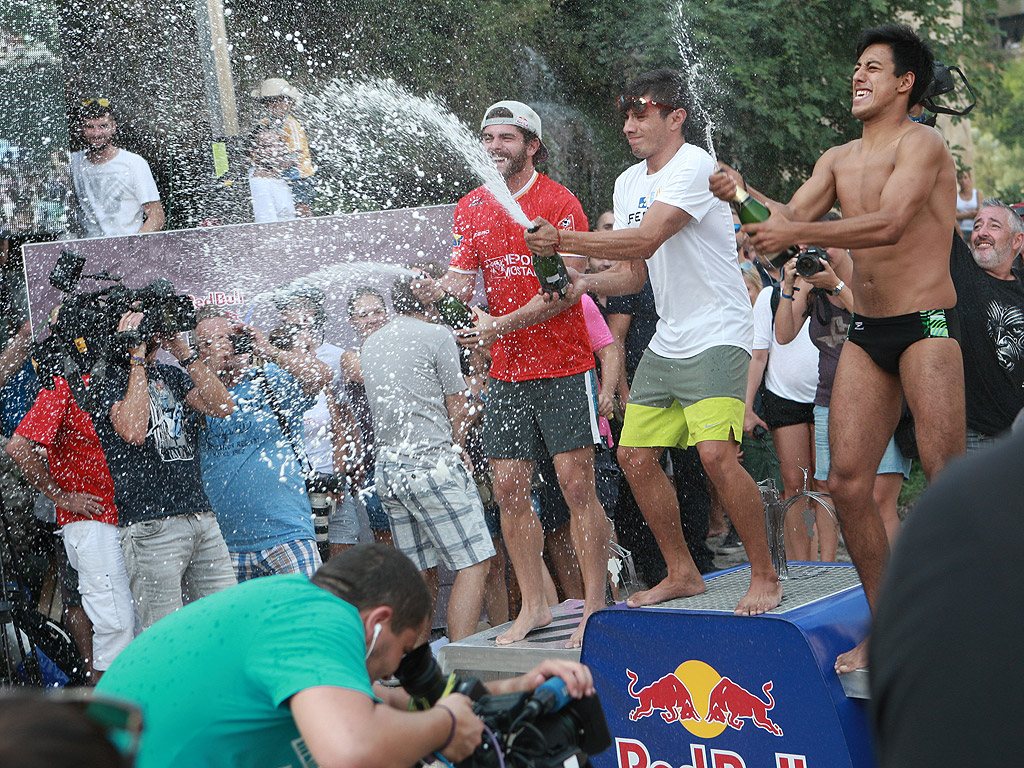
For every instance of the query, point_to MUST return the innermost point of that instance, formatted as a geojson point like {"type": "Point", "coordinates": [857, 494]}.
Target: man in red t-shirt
{"type": "Point", "coordinates": [542, 396]}
{"type": "Point", "coordinates": [74, 476]}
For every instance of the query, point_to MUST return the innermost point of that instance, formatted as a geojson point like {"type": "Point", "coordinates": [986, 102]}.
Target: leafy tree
{"type": "Point", "coordinates": [783, 66]}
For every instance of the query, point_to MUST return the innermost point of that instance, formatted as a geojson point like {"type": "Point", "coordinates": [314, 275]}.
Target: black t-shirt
{"type": "Point", "coordinates": [641, 328]}
{"type": "Point", "coordinates": [947, 683]}
{"type": "Point", "coordinates": [992, 340]}
{"type": "Point", "coordinates": [161, 477]}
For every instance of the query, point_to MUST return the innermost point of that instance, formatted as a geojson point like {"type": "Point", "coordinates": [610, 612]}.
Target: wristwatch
{"type": "Point", "coordinates": [835, 291]}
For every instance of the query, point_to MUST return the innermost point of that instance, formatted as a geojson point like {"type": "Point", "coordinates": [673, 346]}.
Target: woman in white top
{"type": "Point", "coordinates": [967, 201]}
{"type": "Point", "coordinates": [790, 373]}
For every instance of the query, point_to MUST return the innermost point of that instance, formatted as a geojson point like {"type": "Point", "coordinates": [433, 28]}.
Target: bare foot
{"type": "Point", "coordinates": [761, 597]}
{"type": "Point", "coordinates": [854, 659]}
{"type": "Point", "coordinates": [576, 641]}
{"type": "Point", "coordinates": [524, 623]}
{"type": "Point", "coordinates": [667, 590]}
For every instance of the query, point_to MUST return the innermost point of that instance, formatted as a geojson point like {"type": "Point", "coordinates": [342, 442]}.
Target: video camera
{"type": "Point", "coordinates": [942, 82]}
{"type": "Point", "coordinates": [83, 336]}
{"type": "Point", "coordinates": [546, 728]}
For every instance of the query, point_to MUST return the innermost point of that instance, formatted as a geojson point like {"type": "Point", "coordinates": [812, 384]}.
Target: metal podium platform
{"type": "Point", "coordinates": [478, 656]}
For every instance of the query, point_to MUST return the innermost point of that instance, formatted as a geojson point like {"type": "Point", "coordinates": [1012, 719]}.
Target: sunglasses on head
{"type": "Point", "coordinates": [99, 102]}
{"type": "Point", "coordinates": [639, 105]}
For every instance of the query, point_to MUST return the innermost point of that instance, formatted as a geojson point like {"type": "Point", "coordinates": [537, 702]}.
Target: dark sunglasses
{"type": "Point", "coordinates": [639, 105]}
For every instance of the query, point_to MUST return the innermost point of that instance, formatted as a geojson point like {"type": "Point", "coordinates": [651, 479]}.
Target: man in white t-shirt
{"type": "Point", "coordinates": [689, 387]}
{"type": "Point", "coordinates": [115, 188]}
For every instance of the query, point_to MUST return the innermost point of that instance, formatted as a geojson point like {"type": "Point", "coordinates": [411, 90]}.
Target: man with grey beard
{"type": "Point", "coordinates": [990, 295]}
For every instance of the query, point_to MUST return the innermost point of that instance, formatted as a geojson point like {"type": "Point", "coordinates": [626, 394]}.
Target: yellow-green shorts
{"type": "Point", "coordinates": [685, 402]}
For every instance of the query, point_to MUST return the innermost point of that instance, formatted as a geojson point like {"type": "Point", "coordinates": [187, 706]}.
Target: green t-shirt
{"type": "Point", "coordinates": [212, 679]}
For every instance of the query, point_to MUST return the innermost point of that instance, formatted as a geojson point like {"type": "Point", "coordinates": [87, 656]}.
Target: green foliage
{"type": "Point", "coordinates": [1003, 116]}
{"type": "Point", "coordinates": [31, 86]}
{"type": "Point", "coordinates": [998, 167]}
{"type": "Point", "coordinates": [774, 76]}
{"type": "Point", "coordinates": [913, 486]}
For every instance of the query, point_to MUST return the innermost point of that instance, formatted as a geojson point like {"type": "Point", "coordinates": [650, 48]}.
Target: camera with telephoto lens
{"type": "Point", "coordinates": [545, 728]}
{"type": "Point", "coordinates": [811, 261]}
{"type": "Point", "coordinates": [84, 338]}
{"type": "Point", "coordinates": [323, 489]}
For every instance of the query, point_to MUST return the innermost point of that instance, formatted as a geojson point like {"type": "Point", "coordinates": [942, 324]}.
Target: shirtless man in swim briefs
{"type": "Point", "coordinates": [897, 189]}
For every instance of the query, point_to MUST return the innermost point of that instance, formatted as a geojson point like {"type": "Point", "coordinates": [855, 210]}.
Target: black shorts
{"type": "Point", "coordinates": [885, 339]}
{"type": "Point", "coordinates": [534, 419]}
{"type": "Point", "coordinates": [780, 412]}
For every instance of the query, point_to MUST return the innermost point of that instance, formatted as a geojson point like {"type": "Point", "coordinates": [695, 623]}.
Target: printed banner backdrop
{"type": "Point", "coordinates": [242, 267]}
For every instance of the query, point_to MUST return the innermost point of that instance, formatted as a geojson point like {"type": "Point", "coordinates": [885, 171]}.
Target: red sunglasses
{"type": "Point", "coordinates": [639, 105]}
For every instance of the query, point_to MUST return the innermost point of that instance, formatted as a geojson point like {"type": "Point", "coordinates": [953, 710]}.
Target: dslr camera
{"type": "Point", "coordinates": [546, 728]}
{"type": "Point", "coordinates": [83, 336]}
{"type": "Point", "coordinates": [811, 261]}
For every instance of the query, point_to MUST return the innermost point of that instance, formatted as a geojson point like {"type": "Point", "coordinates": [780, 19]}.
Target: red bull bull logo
{"type": "Point", "coordinates": [702, 700]}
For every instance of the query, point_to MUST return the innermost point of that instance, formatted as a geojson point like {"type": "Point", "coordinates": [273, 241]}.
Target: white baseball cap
{"type": "Point", "coordinates": [522, 117]}
{"type": "Point", "coordinates": [276, 86]}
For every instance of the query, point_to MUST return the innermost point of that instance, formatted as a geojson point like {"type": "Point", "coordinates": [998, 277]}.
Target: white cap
{"type": "Point", "coordinates": [522, 117]}
{"type": "Point", "coordinates": [276, 86]}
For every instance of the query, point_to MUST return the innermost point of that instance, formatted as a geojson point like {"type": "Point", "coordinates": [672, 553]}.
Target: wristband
{"type": "Point", "coordinates": [785, 295]}
{"type": "Point", "coordinates": [451, 733]}
{"type": "Point", "coordinates": [136, 360]}
{"type": "Point", "coordinates": [189, 360]}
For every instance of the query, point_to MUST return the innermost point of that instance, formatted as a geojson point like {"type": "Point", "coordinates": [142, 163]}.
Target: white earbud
{"type": "Point", "coordinates": [377, 628]}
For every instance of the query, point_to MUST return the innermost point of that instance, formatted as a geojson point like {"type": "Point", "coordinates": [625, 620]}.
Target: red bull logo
{"type": "Point", "coordinates": [704, 701]}
{"type": "Point", "coordinates": [631, 753]}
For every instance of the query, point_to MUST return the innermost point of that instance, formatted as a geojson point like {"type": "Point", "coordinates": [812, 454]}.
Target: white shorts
{"type": "Point", "coordinates": [271, 199]}
{"type": "Point", "coordinates": [93, 550]}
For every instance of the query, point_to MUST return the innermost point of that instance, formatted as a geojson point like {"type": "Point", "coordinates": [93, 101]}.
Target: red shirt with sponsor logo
{"type": "Point", "coordinates": [489, 240]}
{"type": "Point", "coordinates": [72, 448]}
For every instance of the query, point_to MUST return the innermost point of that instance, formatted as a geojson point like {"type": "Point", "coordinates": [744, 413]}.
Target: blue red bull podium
{"type": "Point", "coordinates": [688, 683]}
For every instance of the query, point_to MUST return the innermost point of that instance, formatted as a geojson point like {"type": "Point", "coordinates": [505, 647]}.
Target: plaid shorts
{"type": "Point", "coordinates": [300, 556]}
{"type": "Point", "coordinates": [435, 511]}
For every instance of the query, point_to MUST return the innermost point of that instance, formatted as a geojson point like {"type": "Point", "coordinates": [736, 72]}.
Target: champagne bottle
{"type": "Point", "coordinates": [454, 312]}
{"type": "Point", "coordinates": [551, 274]}
{"type": "Point", "coordinates": [753, 211]}
{"type": "Point", "coordinates": [550, 271]}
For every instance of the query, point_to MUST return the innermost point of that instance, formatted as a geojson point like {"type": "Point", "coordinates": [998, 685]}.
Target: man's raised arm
{"type": "Point", "coordinates": [809, 203]}
{"type": "Point", "coordinates": [659, 224]}
{"type": "Point", "coordinates": [916, 168]}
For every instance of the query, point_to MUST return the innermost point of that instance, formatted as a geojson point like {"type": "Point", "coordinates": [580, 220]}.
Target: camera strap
{"type": "Point", "coordinates": [282, 420]}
